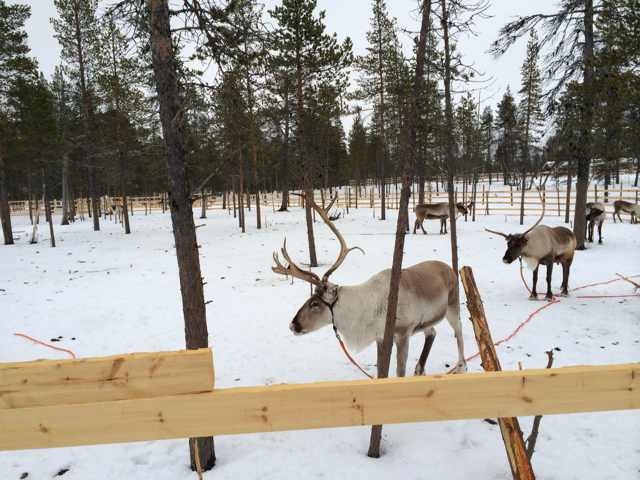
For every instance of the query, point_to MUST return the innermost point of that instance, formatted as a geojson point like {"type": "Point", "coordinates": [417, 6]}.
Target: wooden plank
{"type": "Point", "coordinates": [328, 404]}
{"type": "Point", "coordinates": [509, 426]}
{"type": "Point", "coordinates": [137, 375]}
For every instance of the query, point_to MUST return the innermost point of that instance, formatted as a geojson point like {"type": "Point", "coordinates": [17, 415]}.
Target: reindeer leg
{"type": "Point", "coordinates": [566, 267]}
{"type": "Point", "coordinates": [600, 233]}
{"type": "Point", "coordinates": [415, 226]}
{"type": "Point", "coordinates": [402, 352]}
{"type": "Point", "coordinates": [422, 227]}
{"type": "Point", "coordinates": [534, 286]}
{"type": "Point", "coordinates": [429, 337]}
{"type": "Point", "coordinates": [549, 295]}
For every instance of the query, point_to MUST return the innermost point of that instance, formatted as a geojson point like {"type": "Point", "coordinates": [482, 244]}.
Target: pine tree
{"type": "Point", "coordinates": [530, 110]}
{"type": "Point", "coordinates": [486, 142]}
{"type": "Point", "coordinates": [358, 152]}
{"type": "Point", "coordinates": [15, 64]}
{"type": "Point", "coordinates": [507, 135]}
{"type": "Point", "coordinates": [569, 35]}
{"type": "Point", "coordinates": [304, 48]}
{"type": "Point", "coordinates": [77, 32]}
{"type": "Point", "coordinates": [374, 82]}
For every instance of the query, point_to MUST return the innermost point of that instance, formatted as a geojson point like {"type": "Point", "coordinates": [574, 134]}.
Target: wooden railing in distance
{"type": "Point", "coordinates": [137, 375]}
{"type": "Point", "coordinates": [322, 405]}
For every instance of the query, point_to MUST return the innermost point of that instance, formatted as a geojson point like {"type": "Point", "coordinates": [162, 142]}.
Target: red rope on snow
{"type": "Point", "coordinates": [35, 340]}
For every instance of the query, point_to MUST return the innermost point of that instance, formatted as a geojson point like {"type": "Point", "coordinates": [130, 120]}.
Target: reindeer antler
{"type": "Point", "coordinates": [344, 250]}
{"type": "Point", "coordinates": [544, 206]}
{"type": "Point", "coordinates": [497, 233]}
{"type": "Point", "coordinates": [292, 269]}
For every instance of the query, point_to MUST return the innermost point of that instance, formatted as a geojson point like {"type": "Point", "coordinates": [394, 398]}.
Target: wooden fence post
{"type": "Point", "coordinates": [511, 190]}
{"type": "Point", "coordinates": [509, 427]}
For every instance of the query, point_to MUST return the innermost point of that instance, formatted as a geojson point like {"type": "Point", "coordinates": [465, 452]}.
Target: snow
{"type": "Point", "coordinates": [118, 293]}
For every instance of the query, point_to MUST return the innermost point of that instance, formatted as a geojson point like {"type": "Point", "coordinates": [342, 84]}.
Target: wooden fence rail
{"type": "Point", "coordinates": [496, 199]}
{"type": "Point", "coordinates": [316, 405]}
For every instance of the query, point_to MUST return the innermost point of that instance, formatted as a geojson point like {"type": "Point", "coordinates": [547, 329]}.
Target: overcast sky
{"type": "Point", "coordinates": [351, 18]}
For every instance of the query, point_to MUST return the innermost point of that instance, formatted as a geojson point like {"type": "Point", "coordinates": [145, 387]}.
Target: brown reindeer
{"type": "Point", "coordinates": [428, 293]}
{"type": "Point", "coordinates": [432, 211]}
{"type": "Point", "coordinates": [626, 207]}
{"type": "Point", "coordinates": [542, 245]}
{"type": "Point", "coordinates": [595, 216]}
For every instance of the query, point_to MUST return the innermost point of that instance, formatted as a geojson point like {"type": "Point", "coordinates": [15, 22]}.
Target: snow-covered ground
{"type": "Point", "coordinates": [114, 293]}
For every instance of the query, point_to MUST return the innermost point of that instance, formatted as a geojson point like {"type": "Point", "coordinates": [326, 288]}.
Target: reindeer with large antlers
{"type": "Point", "coordinates": [428, 293]}
{"type": "Point", "coordinates": [542, 245]}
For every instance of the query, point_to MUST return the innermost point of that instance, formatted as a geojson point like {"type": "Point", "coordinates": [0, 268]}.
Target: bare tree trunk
{"type": "Point", "coordinates": [584, 160]}
{"type": "Point", "coordinates": [123, 194]}
{"type": "Point", "coordinates": [5, 211]}
{"type": "Point", "coordinates": [241, 191]}
{"type": "Point", "coordinates": [256, 188]}
{"type": "Point", "coordinates": [203, 203]}
{"type": "Point", "coordinates": [95, 201]}
{"type": "Point", "coordinates": [284, 206]}
{"type": "Point", "coordinates": [66, 191]}
{"type": "Point", "coordinates": [450, 155]}
{"type": "Point", "coordinates": [568, 199]}
{"type": "Point", "coordinates": [48, 214]}
{"type": "Point", "coordinates": [172, 118]}
{"type": "Point", "coordinates": [522, 193]}
{"type": "Point", "coordinates": [408, 165]}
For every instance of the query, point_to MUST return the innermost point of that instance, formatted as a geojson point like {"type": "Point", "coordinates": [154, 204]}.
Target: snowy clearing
{"type": "Point", "coordinates": [106, 293]}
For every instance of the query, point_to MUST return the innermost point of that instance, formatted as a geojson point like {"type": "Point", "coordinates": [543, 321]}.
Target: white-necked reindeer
{"type": "Point", "coordinates": [542, 245]}
{"type": "Point", "coordinates": [428, 293]}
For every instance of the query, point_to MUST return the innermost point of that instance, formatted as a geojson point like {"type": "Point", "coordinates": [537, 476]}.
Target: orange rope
{"type": "Point", "coordinates": [73, 355]}
{"type": "Point", "coordinates": [609, 296]}
{"type": "Point", "coordinates": [553, 302]}
{"type": "Point", "coordinates": [346, 352]}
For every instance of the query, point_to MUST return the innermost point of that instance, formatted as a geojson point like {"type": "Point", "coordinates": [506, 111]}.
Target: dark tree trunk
{"type": "Point", "coordinates": [450, 155]}
{"type": "Point", "coordinates": [123, 194]}
{"type": "Point", "coordinates": [284, 180]}
{"type": "Point", "coordinates": [5, 211]}
{"type": "Point", "coordinates": [407, 167]}
{"type": "Point", "coordinates": [568, 199]}
{"type": "Point", "coordinates": [184, 232]}
{"type": "Point", "coordinates": [203, 203]}
{"type": "Point", "coordinates": [308, 187]}
{"type": "Point", "coordinates": [48, 214]}
{"type": "Point", "coordinates": [66, 191]}
{"type": "Point", "coordinates": [584, 160]}
{"type": "Point", "coordinates": [241, 191]}
{"type": "Point", "coordinates": [95, 201]}
{"type": "Point", "coordinates": [256, 189]}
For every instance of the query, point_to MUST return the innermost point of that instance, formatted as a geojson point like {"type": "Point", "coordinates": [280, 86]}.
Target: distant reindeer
{"type": "Point", "coordinates": [432, 211]}
{"type": "Point", "coordinates": [626, 207]}
{"type": "Point", "coordinates": [595, 216]}
{"type": "Point", "coordinates": [542, 245]}
{"type": "Point", "coordinates": [428, 293]}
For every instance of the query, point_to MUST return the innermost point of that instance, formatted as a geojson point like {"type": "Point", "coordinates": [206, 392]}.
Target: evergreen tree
{"type": "Point", "coordinates": [486, 141]}
{"type": "Point", "coordinates": [376, 70]}
{"type": "Point", "coordinates": [530, 110]}
{"type": "Point", "coordinates": [303, 47]}
{"type": "Point", "coordinates": [507, 135]}
{"type": "Point", "coordinates": [15, 64]}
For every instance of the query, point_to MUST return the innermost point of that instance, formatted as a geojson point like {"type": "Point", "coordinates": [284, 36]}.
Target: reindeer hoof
{"type": "Point", "coordinates": [418, 371]}
{"type": "Point", "coordinates": [533, 296]}
{"type": "Point", "coordinates": [460, 368]}
{"type": "Point", "coordinates": [549, 297]}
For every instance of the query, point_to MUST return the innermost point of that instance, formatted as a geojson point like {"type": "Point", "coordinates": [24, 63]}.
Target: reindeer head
{"type": "Point", "coordinates": [316, 312]}
{"type": "Point", "coordinates": [516, 242]}
{"type": "Point", "coordinates": [464, 209]}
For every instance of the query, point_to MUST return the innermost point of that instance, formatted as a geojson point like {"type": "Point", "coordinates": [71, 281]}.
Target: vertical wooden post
{"type": "Point", "coordinates": [509, 427]}
{"type": "Point", "coordinates": [596, 191]}
{"type": "Point", "coordinates": [511, 194]}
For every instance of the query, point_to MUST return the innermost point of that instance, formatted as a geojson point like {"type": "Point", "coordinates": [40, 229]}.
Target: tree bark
{"type": "Point", "coordinates": [284, 180]}
{"type": "Point", "coordinates": [48, 214]}
{"type": "Point", "coordinates": [584, 160]}
{"type": "Point", "coordinates": [5, 211]}
{"type": "Point", "coordinates": [66, 191]}
{"type": "Point", "coordinates": [308, 187]}
{"type": "Point", "coordinates": [509, 427]}
{"type": "Point", "coordinates": [449, 148]}
{"type": "Point", "coordinates": [172, 119]}
{"type": "Point", "coordinates": [407, 167]}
